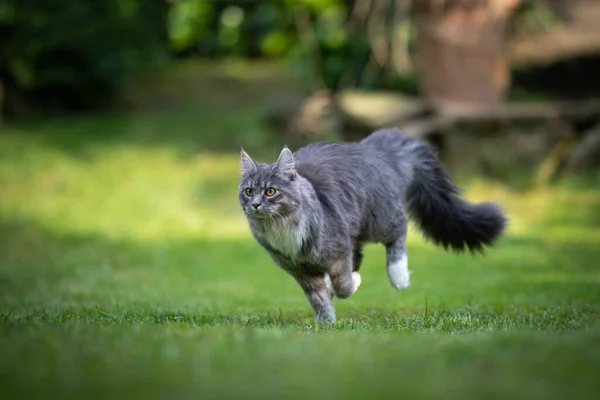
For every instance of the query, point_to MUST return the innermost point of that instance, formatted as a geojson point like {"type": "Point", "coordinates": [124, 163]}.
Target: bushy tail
{"type": "Point", "coordinates": [445, 218]}
{"type": "Point", "coordinates": [432, 198]}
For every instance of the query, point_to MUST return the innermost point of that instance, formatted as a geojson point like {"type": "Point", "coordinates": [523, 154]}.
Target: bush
{"type": "Point", "coordinates": [74, 55]}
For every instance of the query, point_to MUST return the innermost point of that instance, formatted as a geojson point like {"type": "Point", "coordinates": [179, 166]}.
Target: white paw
{"type": "Point", "coordinates": [356, 281]}
{"type": "Point", "coordinates": [399, 274]}
{"type": "Point", "coordinates": [400, 282]}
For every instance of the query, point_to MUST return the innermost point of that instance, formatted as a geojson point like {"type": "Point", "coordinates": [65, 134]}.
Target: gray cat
{"type": "Point", "coordinates": [314, 211]}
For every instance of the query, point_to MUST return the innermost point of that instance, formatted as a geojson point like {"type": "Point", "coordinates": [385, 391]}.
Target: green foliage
{"type": "Point", "coordinates": [188, 20]}
{"type": "Point", "coordinates": [270, 28]}
{"type": "Point", "coordinates": [74, 55]}
{"type": "Point", "coordinates": [223, 28]}
{"type": "Point", "coordinates": [61, 54]}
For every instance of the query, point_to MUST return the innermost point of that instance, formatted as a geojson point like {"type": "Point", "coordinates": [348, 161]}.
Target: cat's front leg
{"type": "Point", "coordinates": [344, 280]}
{"type": "Point", "coordinates": [319, 296]}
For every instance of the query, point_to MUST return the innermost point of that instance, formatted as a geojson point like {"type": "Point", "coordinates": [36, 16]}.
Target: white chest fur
{"type": "Point", "coordinates": [286, 239]}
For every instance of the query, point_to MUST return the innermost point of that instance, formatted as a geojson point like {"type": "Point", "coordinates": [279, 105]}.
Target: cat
{"type": "Point", "coordinates": [313, 211]}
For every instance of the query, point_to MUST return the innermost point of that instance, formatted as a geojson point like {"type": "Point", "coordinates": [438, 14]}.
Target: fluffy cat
{"type": "Point", "coordinates": [314, 210]}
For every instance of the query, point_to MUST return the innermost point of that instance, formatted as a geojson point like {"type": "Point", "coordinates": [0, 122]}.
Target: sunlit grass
{"type": "Point", "coordinates": [127, 192]}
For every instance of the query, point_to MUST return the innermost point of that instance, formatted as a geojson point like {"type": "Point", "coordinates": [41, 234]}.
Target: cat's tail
{"type": "Point", "coordinates": [446, 219]}
{"type": "Point", "coordinates": [433, 200]}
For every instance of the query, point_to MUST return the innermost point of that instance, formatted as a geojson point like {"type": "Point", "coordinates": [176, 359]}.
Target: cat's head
{"type": "Point", "coordinates": [269, 191]}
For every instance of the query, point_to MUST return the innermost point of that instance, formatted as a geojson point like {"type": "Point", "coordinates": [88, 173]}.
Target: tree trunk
{"type": "Point", "coordinates": [461, 53]}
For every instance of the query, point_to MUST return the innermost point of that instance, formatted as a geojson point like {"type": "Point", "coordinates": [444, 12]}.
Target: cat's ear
{"type": "Point", "coordinates": [285, 163]}
{"type": "Point", "coordinates": [248, 165]}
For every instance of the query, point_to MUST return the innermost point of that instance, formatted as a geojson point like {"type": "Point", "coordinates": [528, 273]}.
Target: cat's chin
{"type": "Point", "coordinates": [260, 215]}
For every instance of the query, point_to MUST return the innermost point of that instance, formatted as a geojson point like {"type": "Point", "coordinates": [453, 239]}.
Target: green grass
{"type": "Point", "coordinates": [127, 270]}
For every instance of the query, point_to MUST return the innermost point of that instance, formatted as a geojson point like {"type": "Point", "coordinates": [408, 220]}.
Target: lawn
{"type": "Point", "coordinates": [127, 270]}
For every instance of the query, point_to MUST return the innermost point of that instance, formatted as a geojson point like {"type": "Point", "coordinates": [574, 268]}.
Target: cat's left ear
{"type": "Point", "coordinates": [285, 163]}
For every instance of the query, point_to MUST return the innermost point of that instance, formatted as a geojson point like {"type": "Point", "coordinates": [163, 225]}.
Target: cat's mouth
{"type": "Point", "coordinates": [263, 214]}
{"type": "Point", "coordinates": [259, 214]}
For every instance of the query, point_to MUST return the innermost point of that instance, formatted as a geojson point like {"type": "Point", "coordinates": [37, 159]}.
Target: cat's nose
{"type": "Point", "coordinates": [255, 205]}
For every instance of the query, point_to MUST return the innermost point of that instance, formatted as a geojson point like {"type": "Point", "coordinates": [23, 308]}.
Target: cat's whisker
{"type": "Point", "coordinates": [277, 214]}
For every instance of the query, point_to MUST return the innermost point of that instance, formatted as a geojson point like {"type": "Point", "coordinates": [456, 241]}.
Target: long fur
{"type": "Point", "coordinates": [432, 199]}
{"type": "Point", "coordinates": [332, 198]}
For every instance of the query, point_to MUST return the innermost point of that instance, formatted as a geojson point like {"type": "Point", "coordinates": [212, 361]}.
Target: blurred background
{"type": "Point", "coordinates": [471, 76]}
{"type": "Point", "coordinates": [126, 264]}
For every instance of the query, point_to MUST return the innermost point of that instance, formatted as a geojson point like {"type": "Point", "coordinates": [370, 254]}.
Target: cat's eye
{"type": "Point", "coordinates": [249, 192]}
{"type": "Point", "coordinates": [270, 192]}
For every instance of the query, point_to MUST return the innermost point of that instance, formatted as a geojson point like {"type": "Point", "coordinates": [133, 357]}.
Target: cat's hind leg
{"type": "Point", "coordinates": [397, 263]}
{"type": "Point", "coordinates": [357, 257]}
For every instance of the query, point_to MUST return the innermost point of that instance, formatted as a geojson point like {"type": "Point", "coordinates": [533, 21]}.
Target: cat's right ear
{"type": "Point", "coordinates": [248, 165]}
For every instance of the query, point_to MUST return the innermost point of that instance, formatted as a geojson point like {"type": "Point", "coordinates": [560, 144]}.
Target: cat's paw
{"type": "Point", "coordinates": [401, 282]}
{"type": "Point", "coordinates": [399, 274]}
{"type": "Point", "coordinates": [356, 281]}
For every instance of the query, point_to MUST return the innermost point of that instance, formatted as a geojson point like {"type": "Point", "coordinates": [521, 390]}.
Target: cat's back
{"type": "Point", "coordinates": [326, 161]}
{"type": "Point", "coordinates": [330, 154]}
{"type": "Point", "coordinates": [346, 169]}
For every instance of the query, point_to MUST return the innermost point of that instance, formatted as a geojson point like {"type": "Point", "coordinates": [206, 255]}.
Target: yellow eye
{"type": "Point", "coordinates": [270, 192]}
{"type": "Point", "coordinates": [249, 191]}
